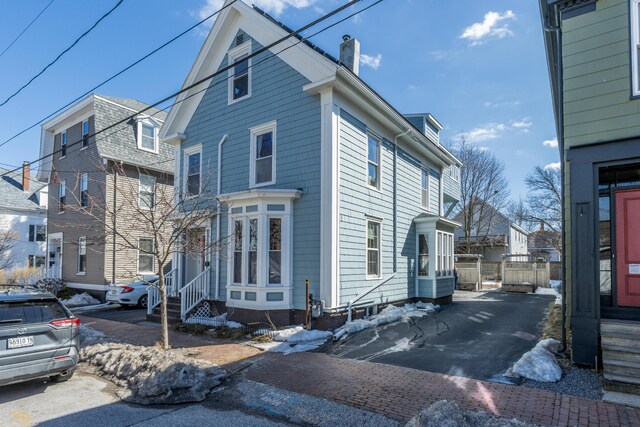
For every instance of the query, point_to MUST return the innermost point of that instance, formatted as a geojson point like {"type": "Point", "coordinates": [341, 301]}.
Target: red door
{"type": "Point", "coordinates": [628, 247]}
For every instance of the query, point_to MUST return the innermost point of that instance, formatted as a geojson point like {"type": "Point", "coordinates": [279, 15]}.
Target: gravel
{"type": "Point", "coordinates": [579, 382]}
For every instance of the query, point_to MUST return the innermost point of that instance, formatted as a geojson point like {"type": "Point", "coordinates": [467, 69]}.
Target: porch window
{"type": "Point", "coordinates": [635, 47]}
{"type": "Point", "coordinates": [237, 253]}
{"type": "Point", "coordinates": [263, 148]}
{"type": "Point", "coordinates": [373, 249]}
{"type": "Point", "coordinates": [373, 163]}
{"type": "Point", "coordinates": [146, 191]}
{"type": "Point", "coordinates": [275, 250]}
{"type": "Point", "coordinates": [425, 189]}
{"type": "Point", "coordinates": [84, 193]}
{"type": "Point", "coordinates": [146, 264]}
{"type": "Point", "coordinates": [423, 255]}
{"type": "Point", "coordinates": [82, 255]}
{"type": "Point", "coordinates": [62, 195]}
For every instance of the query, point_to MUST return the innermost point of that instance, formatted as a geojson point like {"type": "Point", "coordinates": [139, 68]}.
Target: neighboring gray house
{"type": "Point", "coordinates": [318, 179]}
{"type": "Point", "coordinates": [81, 176]}
{"type": "Point", "coordinates": [493, 236]}
{"type": "Point", "coordinates": [23, 212]}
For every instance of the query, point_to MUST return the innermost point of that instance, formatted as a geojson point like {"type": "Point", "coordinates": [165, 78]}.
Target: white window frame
{"type": "Point", "coordinates": [232, 55]}
{"type": "Point", "coordinates": [84, 188]}
{"type": "Point", "coordinates": [82, 251]}
{"type": "Point", "coordinates": [34, 233]}
{"type": "Point", "coordinates": [444, 254]}
{"type": "Point", "coordinates": [377, 221]}
{"type": "Point", "coordinates": [635, 46]}
{"type": "Point", "coordinates": [85, 136]}
{"type": "Point", "coordinates": [153, 259]}
{"type": "Point", "coordinates": [425, 171]}
{"type": "Point", "coordinates": [62, 192]}
{"type": "Point", "coordinates": [379, 164]}
{"type": "Point", "coordinates": [150, 123]}
{"type": "Point", "coordinates": [63, 145]}
{"type": "Point", "coordinates": [255, 132]}
{"type": "Point", "coordinates": [153, 192]}
{"type": "Point", "coordinates": [454, 172]}
{"type": "Point", "coordinates": [196, 149]}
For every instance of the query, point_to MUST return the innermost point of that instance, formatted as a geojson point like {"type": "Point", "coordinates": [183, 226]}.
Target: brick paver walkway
{"type": "Point", "coordinates": [400, 393]}
{"type": "Point", "coordinates": [217, 351]}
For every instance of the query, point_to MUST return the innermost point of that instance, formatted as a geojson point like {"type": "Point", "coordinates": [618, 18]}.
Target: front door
{"type": "Point", "coordinates": [628, 248]}
{"type": "Point", "coordinates": [195, 253]}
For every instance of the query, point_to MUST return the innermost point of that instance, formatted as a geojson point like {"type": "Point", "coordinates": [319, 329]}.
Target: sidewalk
{"type": "Point", "coordinates": [395, 392]}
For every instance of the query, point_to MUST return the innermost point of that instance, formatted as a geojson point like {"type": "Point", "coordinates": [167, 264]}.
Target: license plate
{"type": "Point", "coordinates": [20, 342]}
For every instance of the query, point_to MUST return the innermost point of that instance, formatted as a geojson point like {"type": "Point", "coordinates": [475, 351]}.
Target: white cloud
{"type": "Point", "coordinates": [492, 27]}
{"type": "Point", "coordinates": [484, 148]}
{"type": "Point", "coordinates": [552, 166]}
{"type": "Point", "coordinates": [371, 61]}
{"type": "Point", "coordinates": [438, 55]}
{"type": "Point", "coordinates": [522, 124]}
{"type": "Point", "coordinates": [490, 104]}
{"type": "Point", "coordinates": [275, 7]}
{"type": "Point", "coordinates": [484, 133]}
{"type": "Point", "coordinates": [209, 7]}
{"type": "Point", "coordinates": [552, 143]}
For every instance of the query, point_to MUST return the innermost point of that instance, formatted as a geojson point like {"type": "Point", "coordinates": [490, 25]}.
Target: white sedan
{"type": "Point", "coordinates": [134, 293]}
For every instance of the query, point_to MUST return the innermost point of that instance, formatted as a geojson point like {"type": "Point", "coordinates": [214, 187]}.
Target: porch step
{"type": "Point", "coordinates": [173, 311]}
{"type": "Point", "coordinates": [620, 342]}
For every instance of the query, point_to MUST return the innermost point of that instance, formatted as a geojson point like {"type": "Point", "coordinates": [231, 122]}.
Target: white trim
{"type": "Point", "coordinates": [378, 139]}
{"type": "Point", "coordinates": [366, 247]}
{"type": "Point", "coordinates": [146, 121]}
{"type": "Point", "coordinates": [196, 149]}
{"type": "Point", "coordinates": [255, 132]}
{"type": "Point", "coordinates": [153, 258]}
{"type": "Point", "coordinates": [635, 46]}
{"type": "Point", "coordinates": [272, 195]}
{"type": "Point", "coordinates": [153, 191]}
{"type": "Point", "coordinates": [232, 56]}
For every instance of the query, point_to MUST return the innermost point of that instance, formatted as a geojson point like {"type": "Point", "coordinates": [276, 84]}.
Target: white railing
{"type": "Point", "coordinates": [194, 292]}
{"type": "Point", "coordinates": [153, 293]}
{"type": "Point", "coordinates": [42, 273]}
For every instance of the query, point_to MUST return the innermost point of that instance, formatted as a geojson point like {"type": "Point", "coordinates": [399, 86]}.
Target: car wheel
{"type": "Point", "coordinates": [60, 378]}
{"type": "Point", "coordinates": [142, 302]}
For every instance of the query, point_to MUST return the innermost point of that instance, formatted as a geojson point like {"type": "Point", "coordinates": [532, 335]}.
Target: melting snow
{"type": "Point", "coordinates": [390, 314]}
{"type": "Point", "coordinates": [551, 291]}
{"type": "Point", "coordinates": [540, 363]}
{"type": "Point", "coordinates": [80, 299]}
{"type": "Point", "coordinates": [295, 339]}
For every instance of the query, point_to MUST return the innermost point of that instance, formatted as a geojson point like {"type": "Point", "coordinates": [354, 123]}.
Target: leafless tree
{"type": "Point", "coordinates": [518, 212]}
{"type": "Point", "coordinates": [485, 192]}
{"type": "Point", "coordinates": [7, 241]}
{"type": "Point", "coordinates": [161, 214]}
{"type": "Point", "coordinates": [544, 201]}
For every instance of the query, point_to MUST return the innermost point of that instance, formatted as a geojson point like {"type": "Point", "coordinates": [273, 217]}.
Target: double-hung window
{"type": "Point", "coordinates": [192, 167]}
{"type": "Point", "coordinates": [36, 261]}
{"type": "Point", "coordinates": [146, 260]}
{"type": "Point", "coordinates": [263, 151]}
{"type": "Point", "coordinates": [85, 134]}
{"type": "Point", "coordinates": [62, 195]}
{"type": "Point", "coordinates": [275, 250]}
{"type": "Point", "coordinates": [444, 254]}
{"type": "Point", "coordinates": [63, 144]}
{"type": "Point", "coordinates": [237, 251]}
{"type": "Point", "coordinates": [423, 255]}
{"type": "Point", "coordinates": [425, 189]}
{"type": "Point", "coordinates": [37, 233]}
{"type": "Point", "coordinates": [635, 47]}
{"type": "Point", "coordinates": [373, 248]}
{"type": "Point", "coordinates": [240, 73]}
{"type": "Point", "coordinates": [82, 255]}
{"type": "Point", "coordinates": [84, 192]}
{"type": "Point", "coordinates": [454, 172]}
{"type": "Point", "coordinates": [373, 162]}
{"type": "Point", "coordinates": [148, 137]}
{"type": "Point", "coordinates": [146, 191]}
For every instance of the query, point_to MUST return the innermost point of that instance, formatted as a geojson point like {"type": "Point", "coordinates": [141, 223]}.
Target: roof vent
{"type": "Point", "coordinates": [239, 39]}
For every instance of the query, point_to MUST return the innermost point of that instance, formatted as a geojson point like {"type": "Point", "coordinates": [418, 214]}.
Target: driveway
{"type": "Point", "coordinates": [478, 335]}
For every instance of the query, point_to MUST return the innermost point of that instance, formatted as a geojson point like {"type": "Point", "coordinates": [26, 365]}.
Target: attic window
{"type": "Point", "coordinates": [240, 73]}
{"type": "Point", "coordinates": [147, 135]}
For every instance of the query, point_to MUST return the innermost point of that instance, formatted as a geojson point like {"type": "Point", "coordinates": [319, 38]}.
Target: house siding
{"type": "Point", "coordinates": [450, 187]}
{"type": "Point", "coordinates": [276, 95]}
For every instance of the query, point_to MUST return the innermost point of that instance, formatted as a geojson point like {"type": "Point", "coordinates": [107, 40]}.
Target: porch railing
{"type": "Point", "coordinates": [40, 274]}
{"type": "Point", "coordinates": [153, 293]}
{"type": "Point", "coordinates": [194, 292]}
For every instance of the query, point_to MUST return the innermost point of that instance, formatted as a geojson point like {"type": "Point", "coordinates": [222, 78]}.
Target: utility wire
{"type": "Point", "coordinates": [211, 76]}
{"type": "Point", "coordinates": [62, 53]}
{"type": "Point", "coordinates": [26, 28]}
{"type": "Point", "coordinates": [162, 46]}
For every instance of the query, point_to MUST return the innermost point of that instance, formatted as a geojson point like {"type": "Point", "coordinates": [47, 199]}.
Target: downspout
{"type": "Point", "coordinates": [560, 113]}
{"type": "Point", "coordinates": [219, 187]}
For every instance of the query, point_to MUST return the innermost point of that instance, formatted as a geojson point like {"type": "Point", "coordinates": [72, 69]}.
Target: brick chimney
{"type": "Point", "coordinates": [26, 175]}
{"type": "Point", "coordinates": [350, 53]}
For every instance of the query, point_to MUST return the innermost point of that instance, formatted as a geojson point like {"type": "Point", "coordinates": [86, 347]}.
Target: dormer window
{"type": "Point", "coordinates": [147, 135]}
{"type": "Point", "coordinates": [240, 73]}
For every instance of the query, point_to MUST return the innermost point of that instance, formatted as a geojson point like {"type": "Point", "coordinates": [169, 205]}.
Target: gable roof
{"type": "Point", "coordinates": [11, 194]}
{"type": "Point", "coordinates": [318, 66]}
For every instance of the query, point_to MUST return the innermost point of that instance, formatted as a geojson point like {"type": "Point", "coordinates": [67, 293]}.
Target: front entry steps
{"type": "Point", "coordinates": [173, 311]}
{"type": "Point", "coordinates": [620, 342]}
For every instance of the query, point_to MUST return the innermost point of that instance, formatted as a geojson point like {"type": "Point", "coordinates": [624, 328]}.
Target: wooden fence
{"type": "Point", "coordinates": [509, 272]}
{"type": "Point", "coordinates": [519, 272]}
{"type": "Point", "coordinates": [469, 272]}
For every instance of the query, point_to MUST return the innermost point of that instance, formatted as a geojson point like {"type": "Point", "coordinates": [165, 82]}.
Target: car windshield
{"type": "Point", "coordinates": [31, 312]}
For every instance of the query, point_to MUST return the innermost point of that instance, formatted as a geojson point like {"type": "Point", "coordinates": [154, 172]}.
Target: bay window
{"type": "Point", "coordinates": [444, 254]}
{"type": "Point", "coordinates": [275, 250]}
{"type": "Point", "coordinates": [423, 255]}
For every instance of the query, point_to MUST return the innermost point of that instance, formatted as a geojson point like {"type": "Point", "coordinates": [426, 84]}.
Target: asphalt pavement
{"type": "Point", "coordinates": [478, 335]}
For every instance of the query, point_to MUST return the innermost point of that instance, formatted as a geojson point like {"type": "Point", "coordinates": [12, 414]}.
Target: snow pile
{"type": "Point", "coordinates": [80, 299]}
{"type": "Point", "coordinates": [550, 291]}
{"type": "Point", "coordinates": [540, 363]}
{"type": "Point", "coordinates": [298, 334]}
{"type": "Point", "coordinates": [149, 375]}
{"type": "Point", "coordinates": [89, 336]}
{"type": "Point", "coordinates": [449, 414]}
{"type": "Point", "coordinates": [390, 314]}
{"type": "Point", "coordinates": [106, 305]}
{"type": "Point", "coordinates": [214, 321]}
{"type": "Point", "coordinates": [295, 339]}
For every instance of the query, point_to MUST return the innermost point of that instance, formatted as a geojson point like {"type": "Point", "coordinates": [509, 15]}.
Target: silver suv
{"type": "Point", "coordinates": [39, 337]}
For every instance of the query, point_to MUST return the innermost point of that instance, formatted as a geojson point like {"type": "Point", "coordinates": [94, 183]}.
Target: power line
{"type": "Point", "coordinates": [133, 64]}
{"type": "Point", "coordinates": [62, 53]}
{"type": "Point", "coordinates": [215, 74]}
{"type": "Point", "coordinates": [26, 28]}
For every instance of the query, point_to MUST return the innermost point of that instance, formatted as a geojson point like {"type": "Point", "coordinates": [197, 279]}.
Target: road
{"type": "Point", "coordinates": [478, 336]}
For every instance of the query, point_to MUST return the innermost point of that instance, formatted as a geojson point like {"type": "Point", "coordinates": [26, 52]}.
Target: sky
{"type": "Point", "coordinates": [478, 66]}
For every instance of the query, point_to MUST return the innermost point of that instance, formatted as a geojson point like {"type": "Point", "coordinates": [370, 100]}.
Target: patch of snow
{"type": "Point", "coordinates": [80, 299]}
{"type": "Point", "coordinates": [540, 364]}
{"type": "Point", "coordinates": [295, 339]}
{"type": "Point", "coordinates": [390, 314]}
{"type": "Point", "coordinates": [89, 336]}
{"type": "Point", "coordinates": [300, 347]}
{"type": "Point", "coordinates": [550, 291]}
{"type": "Point", "coordinates": [94, 307]}
{"type": "Point", "coordinates": [233, 325]}
{"type": "Point", "coordinates": [213, 321]}
{"type": "Point", "coordinates": [298, 334]}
